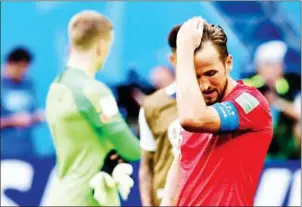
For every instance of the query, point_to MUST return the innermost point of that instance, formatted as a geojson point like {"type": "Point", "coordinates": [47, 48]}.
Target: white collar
{"type": "Point", "coordinates": [171, 89]}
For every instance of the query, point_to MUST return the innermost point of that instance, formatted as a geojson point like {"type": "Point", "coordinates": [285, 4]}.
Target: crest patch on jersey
{"type": "Point", "coordinates": [109, 107]}
{"type": "Point", "coordinates": [175, 137]}
{"type": "Point", "coordinates": [247, 102]}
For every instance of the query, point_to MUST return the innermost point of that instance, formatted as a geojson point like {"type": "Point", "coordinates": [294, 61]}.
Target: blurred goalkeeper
{"type": "Point", "coordinates": [85, 122]}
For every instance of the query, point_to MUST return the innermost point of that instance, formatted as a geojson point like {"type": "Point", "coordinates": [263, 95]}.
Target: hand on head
{"type": "Point", "coordinates": [190, 33]}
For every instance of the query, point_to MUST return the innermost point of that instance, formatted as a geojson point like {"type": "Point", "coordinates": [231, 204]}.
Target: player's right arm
{"type": "Point", "coordinates": [194, 114]}
{"type": "Point", "coordinates": [171, 192]}
{"type": "Point", "coordinates": [148, 146]}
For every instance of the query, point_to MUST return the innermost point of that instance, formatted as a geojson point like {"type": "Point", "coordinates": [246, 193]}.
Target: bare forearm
{"type": "Point", "coordinates": [17, 120]}
{"type": "Point", "coordinates": [38, 116]}
{"type": "Point", "coordinates": [145, 183]}
{"type": "Point", "coordinates": [146, 178]}
{"type": "Point", "coordinates": [6, 122]}
{"type": "Point", "coordinates": [171, 192]}
{"type": "Point", "coordinates": [287, 108]}
{"type": "Point", "coordinates": [190, 102]}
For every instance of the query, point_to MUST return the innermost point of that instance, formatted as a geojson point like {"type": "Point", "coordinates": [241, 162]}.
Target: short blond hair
{"type": "Point", "coordinates": [87, 27]}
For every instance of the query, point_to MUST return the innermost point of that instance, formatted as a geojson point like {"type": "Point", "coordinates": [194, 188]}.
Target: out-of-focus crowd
{"type": "Point", "coordinates": [20, 114]}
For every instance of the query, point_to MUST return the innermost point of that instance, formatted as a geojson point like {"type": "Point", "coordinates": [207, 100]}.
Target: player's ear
{"type": "Point", "coordinates": [229, 63]}
{"type": "Point", "coordinates": [172, 59]}
{"type": "Point", "coordinates": [99, 50]}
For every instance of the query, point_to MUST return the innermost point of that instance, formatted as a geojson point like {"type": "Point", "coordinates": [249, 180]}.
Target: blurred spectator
{"type": "Point", "coordinates": [132, 93]}
{"type": "Point", "coordinates": [161, 77]}
{"type": "Point", "coordinates": [19, 110]}
{"type": "Point", "coordinates": [130, 96]}
{"type": "Point", "coordinates": [158, 130]}
{"type": "Point", "coordinates": [280, 90]}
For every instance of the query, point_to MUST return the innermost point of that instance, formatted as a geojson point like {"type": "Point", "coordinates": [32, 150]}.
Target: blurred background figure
{"type": "Point", "coordinates": [19, 112]}
{"type": "Point", "coordinates": [280, 89]}
{"type": "Point", "coordinates": [130, 95]}
{"type": "Point", "coordinates": [161, 77]}
{"type": "Point", "coordinates": [158, 130]}
{"type": "Point", "coordinates": [132, 92]}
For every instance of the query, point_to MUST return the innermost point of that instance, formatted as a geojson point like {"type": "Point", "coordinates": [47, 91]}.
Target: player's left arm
{"type": "Point", "coordinates": [119, 134]}
{"type": "Point", "coordinates": [115, 128]}
{"type": "Point", "coordinates": [108, 121]}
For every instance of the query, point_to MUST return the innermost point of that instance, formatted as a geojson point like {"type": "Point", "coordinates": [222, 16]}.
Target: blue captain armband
{"type": "Point", "coordinates": [229, 116]}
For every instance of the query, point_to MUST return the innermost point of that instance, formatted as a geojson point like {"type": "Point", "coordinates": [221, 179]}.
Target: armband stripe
{"type": "Point", "coordinates": [229, 116]}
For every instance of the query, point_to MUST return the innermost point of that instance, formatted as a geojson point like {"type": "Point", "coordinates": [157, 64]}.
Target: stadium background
{"type": "Point", "coordinates": [140, 43]}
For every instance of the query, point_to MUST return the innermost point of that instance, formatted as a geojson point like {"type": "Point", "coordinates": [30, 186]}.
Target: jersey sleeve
{"type": "Point", "coordinates": [147, 141]}
{"type": "Point", "coordinates": [245, 112]}
{"type": "Point", "coordinates": [112, 125]}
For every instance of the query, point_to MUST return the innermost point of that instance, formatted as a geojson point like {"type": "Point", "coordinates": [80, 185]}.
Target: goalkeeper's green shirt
{"type": "Point", "coordinates": [85, 124]}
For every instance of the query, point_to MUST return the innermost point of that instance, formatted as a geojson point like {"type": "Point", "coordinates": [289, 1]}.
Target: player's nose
{"type": "Point", "coordinates": [204, 84]}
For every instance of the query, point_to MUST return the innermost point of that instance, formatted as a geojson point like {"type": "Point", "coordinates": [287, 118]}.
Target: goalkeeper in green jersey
{"type": "Point", "coordinates": [85, 122]}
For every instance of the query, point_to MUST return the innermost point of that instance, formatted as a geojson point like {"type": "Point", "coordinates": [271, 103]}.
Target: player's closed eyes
{"type": "Point", "coordinates": [210, 73]}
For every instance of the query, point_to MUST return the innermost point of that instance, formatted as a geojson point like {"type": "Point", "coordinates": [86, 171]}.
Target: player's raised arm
{"type": "Point", "coordinates": [202, 70]}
